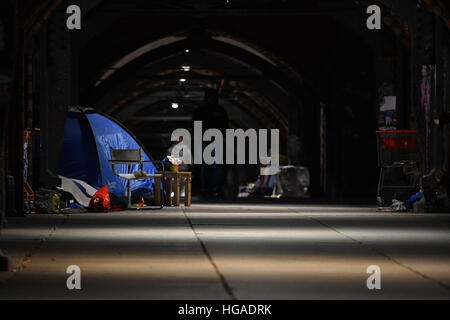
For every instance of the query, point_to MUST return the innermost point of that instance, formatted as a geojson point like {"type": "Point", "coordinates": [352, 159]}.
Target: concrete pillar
{"type": "Point", "coordinates": [5, 86]}
{"type": "Point", "coordinates": [59, 90]}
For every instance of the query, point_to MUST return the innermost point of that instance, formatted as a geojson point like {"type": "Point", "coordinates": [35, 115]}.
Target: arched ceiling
{"type": "Point", "coordinates": [140, 74]}
{"type": "Point", "coordinates": [253, 90]}
{"type": "Point", "coordinates": [137, 80]}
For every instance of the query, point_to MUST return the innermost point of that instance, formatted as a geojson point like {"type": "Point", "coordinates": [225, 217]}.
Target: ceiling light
{"type": "Point", "coordinates": [186, 68]}
{"type": "Point", "coordinates": [182, 80]}
{"type": "Point", "coordinates": [174, 105]}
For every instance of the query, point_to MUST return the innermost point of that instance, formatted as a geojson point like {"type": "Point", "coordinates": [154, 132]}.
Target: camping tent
{"type": "Point", "coordinates": [85, 151]}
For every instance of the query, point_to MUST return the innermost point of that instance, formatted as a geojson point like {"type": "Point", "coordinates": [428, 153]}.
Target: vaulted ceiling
{"type": "Point", "coordinates": [263, 83]}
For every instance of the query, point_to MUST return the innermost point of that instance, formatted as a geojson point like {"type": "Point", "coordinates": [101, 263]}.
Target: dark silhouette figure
{"type": "Point", "coordinates": [213, 116]}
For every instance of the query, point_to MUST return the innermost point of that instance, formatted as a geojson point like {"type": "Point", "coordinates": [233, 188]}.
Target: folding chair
{"type": "Point", "coordinates": [134, 156]}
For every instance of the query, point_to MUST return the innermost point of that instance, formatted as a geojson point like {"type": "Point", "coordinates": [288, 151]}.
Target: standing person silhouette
{"type": "Point", "coordinates": [213, 116]}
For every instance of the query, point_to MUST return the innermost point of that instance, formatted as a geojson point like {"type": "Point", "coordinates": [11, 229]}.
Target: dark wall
{"type": "Point", "coordinates": [6, 52]}
{"type": "Point", "coordinates": [352, 120]}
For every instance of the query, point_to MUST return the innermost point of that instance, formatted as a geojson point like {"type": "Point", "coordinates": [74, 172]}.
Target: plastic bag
{"type": "Point", "coordinates": [398, 206]}
{"type": "Point", "coordinates": [100, 201]}
{"type": "Point", "coordinates": [55, 203]}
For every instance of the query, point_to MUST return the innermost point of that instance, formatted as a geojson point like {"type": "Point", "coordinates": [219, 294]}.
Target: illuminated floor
{"type": "Point", "coordinates": [225, 252]}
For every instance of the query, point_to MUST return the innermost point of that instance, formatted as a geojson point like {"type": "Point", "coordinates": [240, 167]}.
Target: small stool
{"type": "Point", "coordinates": [173, 179]}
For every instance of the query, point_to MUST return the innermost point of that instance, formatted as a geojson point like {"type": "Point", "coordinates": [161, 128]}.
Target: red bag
{"type": "Point", "coordinates": [100, 201]}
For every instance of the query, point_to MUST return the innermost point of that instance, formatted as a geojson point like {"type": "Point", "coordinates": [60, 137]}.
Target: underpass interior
{"type": "Point", "coordinates": [310, 69]}
{"type": "Point", "coordinates": [258, 89]}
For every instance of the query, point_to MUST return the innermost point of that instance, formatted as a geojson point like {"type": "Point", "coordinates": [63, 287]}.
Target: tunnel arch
{"type": "Point", "coordinates": [176, 44]}
{"type": "Point", "coordinates": [280, 85]}
{"type": "Point", "coordinates": [134, 69]}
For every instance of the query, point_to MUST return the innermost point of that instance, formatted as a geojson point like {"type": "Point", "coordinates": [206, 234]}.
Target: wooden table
{"type": "Point", "coordinates": [173, 179]}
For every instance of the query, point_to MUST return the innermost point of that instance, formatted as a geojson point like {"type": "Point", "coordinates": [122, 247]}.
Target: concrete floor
{"type": "Point", "coordinates": [229, 252]}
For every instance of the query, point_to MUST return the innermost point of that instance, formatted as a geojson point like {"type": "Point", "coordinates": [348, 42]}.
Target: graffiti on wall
{"type": "Point", "coordinates": [425, 102]}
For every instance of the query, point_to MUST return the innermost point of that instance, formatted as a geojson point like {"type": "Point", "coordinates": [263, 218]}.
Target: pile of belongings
{"type": "Point", "coordinates": [431, 195]}
{"type": "Point", "coordinates": [289, 182]}
{"type": "Point", "coordinates": [74, 196]}
{"type": "Point", "coordinates": [294, 182]}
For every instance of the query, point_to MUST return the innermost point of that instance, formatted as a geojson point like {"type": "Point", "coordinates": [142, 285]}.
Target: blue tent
{"type": "Point", "coordinates": [88, 137]}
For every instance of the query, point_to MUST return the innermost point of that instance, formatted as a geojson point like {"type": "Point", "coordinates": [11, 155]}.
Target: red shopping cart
{"type": "Point", "coordinates": [397, 150]}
